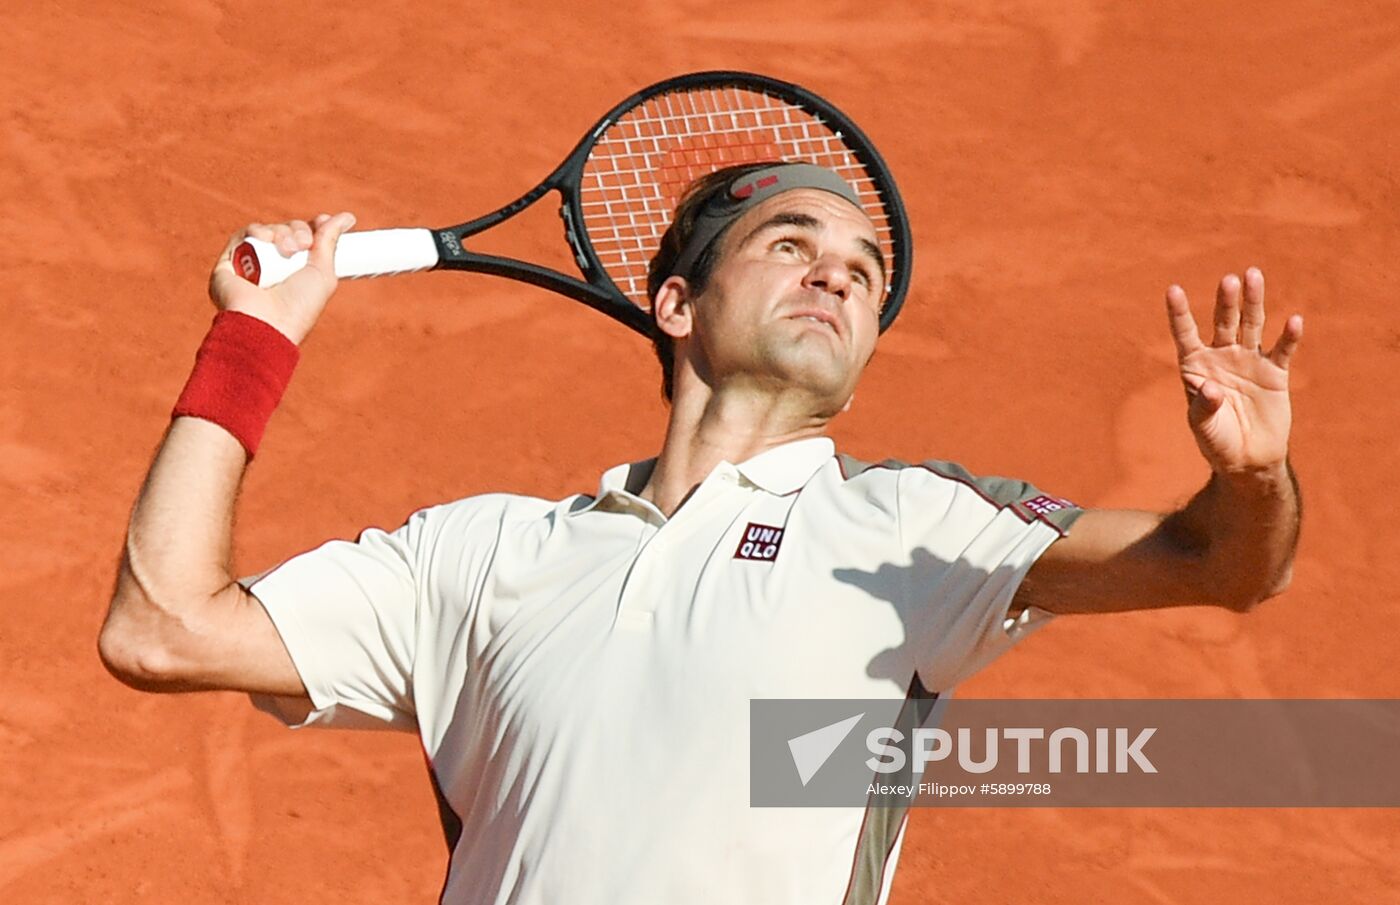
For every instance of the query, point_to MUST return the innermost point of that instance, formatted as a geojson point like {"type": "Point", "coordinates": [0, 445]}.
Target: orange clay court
{"type": "Point", "coordinates": [1062, 164]}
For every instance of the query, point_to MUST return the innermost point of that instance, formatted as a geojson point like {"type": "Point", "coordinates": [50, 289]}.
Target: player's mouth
{"type": "Point", "coordinates": [820, 316]}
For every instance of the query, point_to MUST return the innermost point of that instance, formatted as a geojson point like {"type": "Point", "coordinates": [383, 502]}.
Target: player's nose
{"type": "Point", "coordinates": [830, 274]}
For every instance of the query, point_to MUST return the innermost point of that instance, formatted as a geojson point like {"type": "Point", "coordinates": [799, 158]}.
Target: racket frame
{"type": "Point", "coordinates": [596, 289]}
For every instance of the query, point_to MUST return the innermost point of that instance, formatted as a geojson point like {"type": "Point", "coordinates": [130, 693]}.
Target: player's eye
{"type": "Point", "coordinates": [786, 245]}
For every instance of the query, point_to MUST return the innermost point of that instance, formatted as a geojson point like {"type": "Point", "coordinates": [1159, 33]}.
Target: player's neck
{"type": "Point", "coordinates": [708, 428]}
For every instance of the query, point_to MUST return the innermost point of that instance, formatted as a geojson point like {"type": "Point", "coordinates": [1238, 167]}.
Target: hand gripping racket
{"type": "Point", "coordinates": [619, 187]}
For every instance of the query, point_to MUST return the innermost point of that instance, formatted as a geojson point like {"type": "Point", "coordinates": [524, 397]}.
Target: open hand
{"type": "Point", "coordinates": [1238, 395]}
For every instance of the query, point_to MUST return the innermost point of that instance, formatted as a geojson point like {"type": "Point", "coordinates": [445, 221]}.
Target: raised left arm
{"type": "Point", "coordinates": [1232, 545]}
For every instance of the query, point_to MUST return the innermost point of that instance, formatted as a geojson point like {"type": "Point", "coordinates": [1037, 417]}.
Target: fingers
{"type": "Point", "coordinates": [1239, 311]}
{"type": "Point", "coordinates": [1210, 397]}
{"type": "Point", "coordinates": [1282, 353]}
{"type": "Point", "coordinates": [1252, 316]}
{"type": "Point", "coordinates": [1227, 311]}
{"type": "Point", "coordinates": [1183, 325]}
{"type": "Point", "coordinates": [328, 232]}
{"type": "Point", "coordinates": [290, 237]}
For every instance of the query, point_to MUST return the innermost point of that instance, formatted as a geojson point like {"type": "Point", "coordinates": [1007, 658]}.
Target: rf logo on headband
{"type": "Point", "coordinates": [743, 191]}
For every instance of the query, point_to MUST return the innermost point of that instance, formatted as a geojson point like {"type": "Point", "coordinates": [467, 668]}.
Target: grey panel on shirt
{"type": "Point", "coordinates": [885, 814]}
{"type": "Point", "coordinates": [1025, 499]}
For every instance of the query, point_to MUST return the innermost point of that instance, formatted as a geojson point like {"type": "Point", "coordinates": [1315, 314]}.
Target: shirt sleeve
{"type": "Point", "coordinates": [348, 614]}
{"type": "Point", "coordinates": [970, 542]}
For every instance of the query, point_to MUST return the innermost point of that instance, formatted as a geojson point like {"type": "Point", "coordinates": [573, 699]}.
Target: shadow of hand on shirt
{"type": "Point", "coordinates": [951, 612]}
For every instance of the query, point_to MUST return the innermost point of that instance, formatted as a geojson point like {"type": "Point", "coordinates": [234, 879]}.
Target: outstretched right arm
{"type": "Point", "coordinates": [178, 620]}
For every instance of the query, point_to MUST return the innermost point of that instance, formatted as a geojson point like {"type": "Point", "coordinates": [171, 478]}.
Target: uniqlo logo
{"type": "Point", "coordinates": [759, 542]}
{"type": "Point", "coordinates": [1044, 505]}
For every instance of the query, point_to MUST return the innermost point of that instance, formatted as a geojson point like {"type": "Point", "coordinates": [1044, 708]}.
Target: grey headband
{"type": "Point", "coordinates": [751, 189]}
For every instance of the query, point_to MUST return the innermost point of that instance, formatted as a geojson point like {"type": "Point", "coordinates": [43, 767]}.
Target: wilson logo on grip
{"type": "Point", "coordinates": [760, 543]}
{"type": "Point", "coordinates": [245, 261]}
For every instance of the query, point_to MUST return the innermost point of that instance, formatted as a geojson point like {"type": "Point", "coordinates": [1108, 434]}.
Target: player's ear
{"type": "Point", "coordinates": [672, 308]}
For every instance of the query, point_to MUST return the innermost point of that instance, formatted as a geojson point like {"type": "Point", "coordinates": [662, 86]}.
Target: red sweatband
{"type": "Point", "coordinates": [240, 372]}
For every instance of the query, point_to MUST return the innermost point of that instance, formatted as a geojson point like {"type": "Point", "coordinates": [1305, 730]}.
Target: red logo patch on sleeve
{"type": "Point", "coordinates": [759, 542]}
{"type": "Point", "coordinates": [1044, 505]}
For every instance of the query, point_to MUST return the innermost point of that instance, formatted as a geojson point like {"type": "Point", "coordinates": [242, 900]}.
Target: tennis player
{"type": "Point", "coordinates": [580, 670]}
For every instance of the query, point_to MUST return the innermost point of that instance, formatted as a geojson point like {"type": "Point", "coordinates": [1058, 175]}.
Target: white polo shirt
{"type": "Point", "coordinates": [580, 670]}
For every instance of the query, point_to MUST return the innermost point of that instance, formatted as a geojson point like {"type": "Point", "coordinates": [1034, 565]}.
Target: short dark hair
{"type": "Point", "coordinates": [697, 196]}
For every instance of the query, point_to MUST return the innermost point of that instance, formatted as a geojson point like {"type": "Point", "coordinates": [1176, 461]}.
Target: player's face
{"type": "Point", "coordinates": [795, 297]}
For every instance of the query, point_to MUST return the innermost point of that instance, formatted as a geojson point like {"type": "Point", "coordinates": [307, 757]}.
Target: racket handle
{"type": "Point", "coordinates": [372, 253]}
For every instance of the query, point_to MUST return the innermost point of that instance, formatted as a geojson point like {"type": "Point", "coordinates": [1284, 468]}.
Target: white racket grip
{"type": "Point", "coordinates": [372, 253]}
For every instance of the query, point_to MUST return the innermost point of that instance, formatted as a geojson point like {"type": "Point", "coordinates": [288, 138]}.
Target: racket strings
{"type": "Point", "coordinates": [640, 167]}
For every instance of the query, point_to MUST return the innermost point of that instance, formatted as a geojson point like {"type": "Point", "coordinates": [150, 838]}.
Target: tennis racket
{"type": "Point", "coordinates": [620, 185]}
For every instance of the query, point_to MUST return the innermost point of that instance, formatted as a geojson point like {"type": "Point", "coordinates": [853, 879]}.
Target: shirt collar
{"type": "Point", "coordinates": [625, 481]}
{"type": "Point", "coordinates": [784, 469]}
{"type": "Point", "coordinates": [780, 470]}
